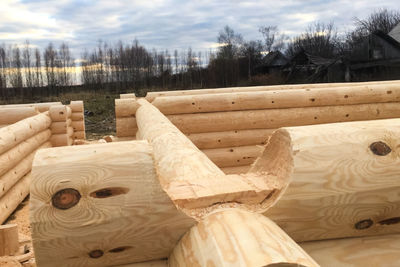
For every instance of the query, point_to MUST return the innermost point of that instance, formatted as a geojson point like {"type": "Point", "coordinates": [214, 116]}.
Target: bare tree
{"type": "Point", "coordinates": [381, 20]}
{"type": "Point", "coordinates": [38, 69]}
{"type": "Point", "coordinates": [230, 43]}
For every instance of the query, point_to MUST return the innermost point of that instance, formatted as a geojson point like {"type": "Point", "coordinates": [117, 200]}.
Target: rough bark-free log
{"type": "Point", "coordinates": [60, 127]}
{"type": "Point", "coordinates": [77, 116]}
{"type": "Point", "coordinates": [11, 158]}
{"type": "Point", "coordinates": [238, 238]}
{"type": "Point", "coordinates": [9, 243]}
{"type": "Point", "coordinates": [14, 134]}
{"type": "Point", "coordinates": [78, 126]}
{"type": "Point", "coordinates": [60, 113]}
{"type": "Point", "coordinates": [79, 135]}
{"type": "Point", "coordinates": [233, 156]}
{"type": "Point", "coordinates": [76, 106]}
{"type": "Point", "coordinates": [123, 96]}
{"type": "Point", "coordinates": [13, 115]}
{"type": "Point", "coordinates": [231, 138]}
{"type": "Point", "coordinates": [294, 98]}
{"type": "Point", "coordinates": [345, 183]}
{"type": "Point", "coordinates": [236, 170]}
{"type": "Point", "coordinates": [125, 107]}
{"type": "Point", "coordinates": [126, 126]}
{"type": "Point", "coordinates": [42, 107]}
{"type": "Point", "coordinates": [61, 140]}
{"type": "Point", "coordinates": [275, 118]}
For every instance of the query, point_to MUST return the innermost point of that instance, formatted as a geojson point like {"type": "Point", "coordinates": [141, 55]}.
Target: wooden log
{"type": "Point", "coordinates": [13, 115]}
{"type": "Point", "coordinates": [238, 238]}
{"type": "Point", "coordinates": [122, 215]}
{"type": "Point", "coordinates": [77, 116]}
{"type": "Point", "coordinates": [10, 201]}
{"type": "Point", "coordinates": [345, 181]}
{"type": "Point", "coordinates": [14, 134]}
{"type": "Point", "coordinates": [152, 95]}
{"type": "Point", "coordinates": [10, 178]}
{"type": "Point", "coordinates": [60, 113]}
{"type": "Point", "coordinates": [11, 158]}
{"type": "Point", "coordinates": [234, 156]}
{"type": "Point", "coordinates": [61, 140]}
{"type": "Point", "coordinates": [236, 170]}
{"type": "Point", "coordinates": [360, 251]}
{"type": "Point", "coordinates": [294, 98]}
{"type": "Point", "coordinates": [76, 106]}
{"type": "Point", "coordinates": [126, 126]}
{"type": "Point", "coordinates": [123, 96]}
{"type": "Point", "coordinates": [157, 263]}
{"type": "Point", "coordinates": [231, 138]}
{"type": "Point", "coordinates": [60, 127]}
{"type": "Point", "coordinates": [199, 186]}
{"type": "Point", "coordinates": [79, 135]}
{"type": "Point", "coordinates": [276, 118]}
{"type": "Point", "coordinates": [42, 107]}
{"type": "Point", "coordinates": [125, 107]}
{"type": "Point", "coordinates": [78, 126]}
{"type": "Point", "coordinates": [9, 244]}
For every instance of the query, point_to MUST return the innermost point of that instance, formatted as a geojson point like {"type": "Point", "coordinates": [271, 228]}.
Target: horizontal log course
{"type": "Point", "coordinates": [60, 113]}
{"type": "Point", "coordinates": [14, 134]}
{"type": "Point", "coordinates": [238, 238]}
{"type": "Point", "coordinates": [76, 106]}
{"type": "Point", "coordinates": [276, 118]}
{"type": "Point", "coordinates": [60, 127]}
{"type": "Point", "coordinates": [152, 95]}
{"type": "Point", "coordinates": [236, 170]}
{"type": "Point", "coordinates": [345, 181]}
{"type": "Point", "coordinates": [10, 178]}
{"type": "Point", "coordinates": [126, 126]}
{"type": "Point", "coordinates": [125, 107]}
{"type": "Point", "coordinates": [61, 140]}
{"type": "Point", "coordinates": [77, 116]}
{"type": "Point", "coordinates": [231, 138]}
{"type": "Point", "coordinates": [234, 156]}
{"type": "Point", "coordinates": [10, 201]}
{"type": "Point", "coordinates": [11, 157]}
{"type": "Point", "coordinates": [79, 135]}
{"type": "Point", "coordinates": [124, 96]}
{"type": "Point", "coordinates": [78, 125]}
{"type": "Point", "coordinates": [42, 107]}
{"type": "Point", "coordinates": [13, 115]}
{"type": "Point", "coordinates": [293, 98]}
{"type": "Point", "coordinates": [359, 251]}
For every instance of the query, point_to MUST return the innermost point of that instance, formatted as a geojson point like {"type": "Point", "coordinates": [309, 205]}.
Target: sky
{"type": "Point", "coordinates": [168, 24]}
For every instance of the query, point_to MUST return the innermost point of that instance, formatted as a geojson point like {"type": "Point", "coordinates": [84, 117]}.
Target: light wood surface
{"type": "Point", "coordinates": [79, 135]}
{"type": "Point", "coordinates": [339, 187]}
{"type": "Point", "coordinates": [122, 210]}
{"type": "Point", "coordinates": [275, 118]}
{"type": "Point", "coordinates": [9, 244]}
{"type": "Point", "coordinates": [77, 106]}
{"type": "Point", "coordinates": [60, 113]}
{"type": "Point", "coordinates": [77, 116]}
{"type": "Point", "coordinates": [60, 127]}
{"type": "Point", "coordinates": [61, 140]}
{"type": "Point", "coordinates": [236, 170]}
{"type": "Point", "coordinates": [78, 126]}
{"type": "Point", "coordinates": [42, 107]}
{"type": "Point", "coordinates": [234, 156]}
{"type": "Point", "coordinates": [14, 134]}
{"type": "Point", "coordinates": [13, 115]}
{"type": "Point", "coordinates": [126, 126]}
{"type": "Point", "coordinates": [238, 238]}
{"type": "Point", "coordinates": [131, 95]}
{"type": "Point", "coordinates": [370, 251]}
{"type": "Point", "coordinates": [125, 107]}
{"type": "Point", "coordinates": [294, 98]}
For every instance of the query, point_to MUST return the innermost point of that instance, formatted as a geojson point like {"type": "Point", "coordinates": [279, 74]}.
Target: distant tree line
{"type": "Point", "coordinates": [26, 71]}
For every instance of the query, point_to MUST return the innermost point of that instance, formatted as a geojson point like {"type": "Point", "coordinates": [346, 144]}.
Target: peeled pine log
{"type": "Point", "coordinates": [126, 107]}
{"type": "Point", "coordinates": [10, 178]}
{"type": "Point", "coordinates": [238, 238]}
{"type": "Point", "coordinates": [76, 106]}
{"type": "Point", "coordinates": [234, 156]}
{"type": "Point", "coordinates": [123, 96]}
{"type": "Point", "coordinates": [236, 170]}
{"type": "Point", "coordinates": [10, 201]}
{"type": "Point", "coordinates": [105, 200]}
{"type": "Point", "coordinates": [126, 126]}
{"type": "Point", "coordinates": [13, 115]}
{"type": "Point", "coordinates": [61, 140]}
{"type": "Point", "coordinates": [276, 118]}
{"type": "Point", "coordinates": [14, 134]}
{"type": "Point", "coordinates": [152, 95]}
{"type": "Point", "coordinates": [78, 126]}
{"type": "Point", "coordinates": [77, 116]}
{"type": "Point", "coordinates": [9, 243]}
{"type": "Point", "coordinates": [60, 127]}
{"type": "Point", "coordinates": [345, 183]}
{"type": "Point", "coordinates": [199, 186]}
{"type": "Point", "coordinates": [79, 135]}
{"type": "Point", "coordinates": [11, 158]}
{"type": "Point", "coordinates": [294, 98]}
{"type": "Point", "coordinates": [60, 113]}
{"type": "Point", "coordinates": [231, 138]}
{"type": "Point", "coordinates": [360, 251]}
{"type": "Point", "coordinates": [42, 107]}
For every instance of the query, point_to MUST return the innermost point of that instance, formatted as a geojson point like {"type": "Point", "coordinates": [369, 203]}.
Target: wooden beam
{"type": "Point", "coordinates": [60, 113]}
{"type": "Point", "coordinates": [345, 181]}
{"type": "Point", "coordinates": [234, 156]}
{"type": "Point", "coordinates": [9, 244]}
{"type": "Point", "coordinates": [125, 107]}
{"type": "Point", "coordinates": [276, 118]}
{"type": "Point", "coordinates": [77, 106]}
{"type": "Point", "coordinates": [238, 238]}
{"type": "Point", "coordinates": [13, 115]}
{"type": "Point", "coordinates": [236, 170]}
{"type": "Point", "coordinates": [42, 107]}
{"type": "Point", "coordinates": [126, 126]}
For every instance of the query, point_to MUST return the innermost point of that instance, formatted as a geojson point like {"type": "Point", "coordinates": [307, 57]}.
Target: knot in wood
{"type": "Point", "coordinates": [364, 224]}
{"type": "Point", "coordinates": [66, 198]}
{"type": "Point", "coordinates": [96, 253]}
{"type": "Point", "coordinates": [380, 148]}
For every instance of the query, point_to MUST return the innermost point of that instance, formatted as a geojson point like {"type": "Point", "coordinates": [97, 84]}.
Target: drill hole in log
{"type": "Point", "coordinates": [119, 249]}
{"type": "Point", "coordinates": [390, 221]}
{"type": "Point", "coordinates": [94, 254]}
{"type": "Point", "coordinates": [66, 198]}
{"type": "Point", "coordinates": [380, 148]}
{"type": "Point", "coordinates": [364, 224]}
{"type": "Point", "coordinates": [109, 192]}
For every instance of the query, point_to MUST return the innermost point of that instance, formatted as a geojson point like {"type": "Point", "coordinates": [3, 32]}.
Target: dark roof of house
{"type": "Point", "coordinates": [387, 38]}
{"type": "Point", "coordinates": [272, 56]}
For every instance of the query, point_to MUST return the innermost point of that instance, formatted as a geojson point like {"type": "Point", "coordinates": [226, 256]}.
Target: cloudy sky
{"type": "Point", "coordinates": [167, 24]}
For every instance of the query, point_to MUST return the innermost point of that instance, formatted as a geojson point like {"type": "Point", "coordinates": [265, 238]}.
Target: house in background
{"type": "Point", "coordinates": [395, 33]}
{"type": "Point", "coordinates": [273, 62]}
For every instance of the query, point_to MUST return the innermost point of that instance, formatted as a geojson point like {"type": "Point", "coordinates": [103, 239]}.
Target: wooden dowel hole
{"type": "Point", "coordinates": [109, 192]}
